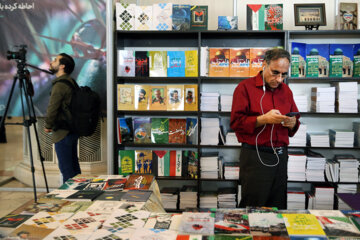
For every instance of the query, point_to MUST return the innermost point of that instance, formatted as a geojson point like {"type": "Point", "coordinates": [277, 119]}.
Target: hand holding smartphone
{"type": "Point", "coordinates": [292, 114]}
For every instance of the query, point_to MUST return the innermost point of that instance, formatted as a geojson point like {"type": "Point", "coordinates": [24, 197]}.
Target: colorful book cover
{"type": "Point", "coordinates": [219, 62]}
{"type": "Point", "coordinates": [298, 59]}
{"type": "Point", "coordinates": [30, 232]}
{"type": "Point", "coordinates": [125, 96]}
{"type": "Point", "coordinates": [191, 96]}
{"type": "Point", "coordinates": [177, 131]}
{"type": "Point", "coordinates": [48, 220]}
{"type": "Point", "coordinates": [126, 130]}
{"type": "Point", "coordinates": [143, 161]}
{"type": "Point", "coordinates": [356, 53]}
{"type": "Point", "coordinates": [256, 60]}
{"type": "Point", "coordinates": [191, 63]}
{"type": "Point", "coordinates": [317, 60]}
{"type": "Point", "coordinates": [162, 20]}
{"type": "Point", "coordinates": [191, 131]}
{"type": "Point", "coordinates": [267, 224]}
{"type": "Point", "coordinates": [142, 130]}
{"type": "Point", "coordinates": [116, 184]}
{"type": "Point", "coordinates": [348, 16]}
{"type": "Point", "coordinates": [158, 63]}
{"type": "Point", "coordinates": [341, 60]}
{"type": "Point", "coordinates": [126, 63]}
{"type": "Point", "coordinates": [199, 18]}
{"type": "Point", "coordinates": [175, 163]}
{"type": "Point", "coordinates": [162, 159]}
{"type": "Point", "coordinates": [274, 17]}
{"type": "Point", "coordinates": [302, 225]}
{"type": "Point", "coordinates": [197, 223]}
{"type": "Point", "coordinates": [190, 158]}
{"type": "Point", "coordinates": [159, 130]}
{"type": "Point", "coordinates": [227, 22]}
{"type": "Point", "coordinates": [239, 62]}
{"type": "Point", "coordinates": [175, 63]}
{"type": "Point", "coordinates": [143, 17]}
{"type": "Point", "coordinates": [234, 221]}
{"type": "Point", "coordinates": [175, 96]}
{"type": "Point", "coordinates": [181, 17]}
{"type": "Point", "coordinates": [13, 220]}
{"type": "Point", "coordinates": [255, 17]}
{"type": "Point", "coordinates": [126, 162]}
{"type": "Point", "coordinates": [125, 16]}
{"type": "Point", "coordinates": [158, 98]}
{"type": "Point", "coordinates": [142, 96]}
{"type": "Point", "coordinates": [139, 181]}
{"type": "Point", "coordinates": [141, 64]}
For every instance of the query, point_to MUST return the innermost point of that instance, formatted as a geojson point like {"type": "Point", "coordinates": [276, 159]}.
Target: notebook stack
{"type": "Point", "coordinates": [301, 102]}
{"type": "Point", "coordinates": [169, 197]}
{"type": "Point", "coordinates": [295, 199]}
{"type": "Point", "coordinates": [296, 167]}
{"type": "Point", "coordinates": [208, 200]}
{"type": "Point", "coordinates": [341, 138]}
{"type": "Point", "coordinates": [299, 139]}
{"type": "Point", "coordinates": [210, 128]}
{"type": "Point", "coordinates": [346, 97]}
{"type": "Point", "coordinates": [323, 99]}
{"type": "Point", "coordinates": [231, 170]}
{"type": "Point", "coordinates": [188, 197]}
{"type": "Point", "coordinates": [227, 198]}
{"type": "Point", "coordinates": [226, 103]}
{"type": "Point", "coordinates": [324, 198]}
{"type": "Point", "coordinates": [318, 139]}
{"type": "Point", "coordinates": [348, 168]}
{"type": "Point", "coordinates": [209, 102]}
{"type": "Point", "coordinates": [209, 167]}
{"type": "Point", "coordinates": [315, 167]}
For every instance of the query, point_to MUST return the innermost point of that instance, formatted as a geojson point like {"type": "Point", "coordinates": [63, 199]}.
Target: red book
{"type": "Point", "coordinates": [177, 131]}
{"type": "Point", "coordinates": [173, 163]}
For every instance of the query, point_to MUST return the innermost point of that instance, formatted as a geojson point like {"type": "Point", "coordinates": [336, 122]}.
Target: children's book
{"type": "Point", "coordinates": [143, 161]}
{"type": "Point", "coordinates": [158, 63]}
{"type": "Point", "coordinates": [191, 131]}
{"type": "Point", "coordinates": [273, 17]}
{"type": "Point", "coordinates": [139, 181]}
{"type": "Point", "coordinates": [158, 99]}
{"type": "Point", "coordinates": [125, 16]}
{"type": "Point", "coordinates": [219, 62]}
{"type": "Point", "coordinates": [125, 130]}
{"type": "Point", "coordinates": [181, 17]}
{"type": "Point", "coordinates": [175, 96]}
{"type": "Point", "coordinates": [199, 17]}
{"type": "Point", "coordinates": [191, 63]}
{"type": "Point", "coordinates": [227, 22]}
{"type": "Point", "coordinates": [125, 97]}
{"type": "Point", "coordinates": [256, 60]}
{"type": "Point", "coordinates": [126, 63]}
{"type": "Point", "coordinates": [162, 19]}
{"type": "Point", "coordinates": [177, 131]}
{"type": "Point", "coordinates": [175, 63]}
{"type": "Point", "coordinates": [126, 162]}
{"type": "Point", "coordinates": [239, 62]}
{"type": "Point", "coordinates": [191, 97]}
{"type": "Point", "coordinates": [142, 130]}
{"type": "Point", "coordinates": [160, 130]}
{"type": "Point", "coordinates": [142, 97]}
{"type": "Point", "coordinates": [298, 59]}
{"type": "Point", "coordinates": [143, 18]}
{"type": "Point", "coordinates": [141, 64]}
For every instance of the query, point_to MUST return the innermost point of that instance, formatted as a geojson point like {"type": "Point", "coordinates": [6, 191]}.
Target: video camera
{"type": "Point", "coordinates": [19, 55]}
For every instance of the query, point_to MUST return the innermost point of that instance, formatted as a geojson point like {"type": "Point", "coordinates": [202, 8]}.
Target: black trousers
{"type": "Point", "coordinates": [262, 185]}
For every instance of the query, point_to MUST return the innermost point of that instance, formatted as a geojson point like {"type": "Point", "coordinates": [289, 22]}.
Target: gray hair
{"type": "Point", "coordinates": [276, 53]}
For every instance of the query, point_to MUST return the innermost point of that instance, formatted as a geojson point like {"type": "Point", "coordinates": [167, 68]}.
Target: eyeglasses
{"type": "Point", "coordinates": [275, 73]}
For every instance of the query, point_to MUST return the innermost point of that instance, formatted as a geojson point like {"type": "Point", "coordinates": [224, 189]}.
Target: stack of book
{"type": "Point", "coordinates": [227, 198]}
{"type": "Point", "coordinates": [210, 128]}
{"type": "Point", "coordinates": [341, 138]}
{"type": "Point", "coordinates": [226, 102]}
{"type": "Point", "coordinates": [188, 197]}
{"type": "Point", "coordinates": [209, 166]}
{"type": "Point", "coordinates": [209, 101]}
{"type": "Point", "coordinates": [231, 170]}
{"type": "Point", "coordinates": [345, 188]}
{"type": "Point", "coordinates": [346, 97]}
{"type": "Point", "coordinates": [299, 139]}
{"type": "Point", "coordinates": [315, 167]}
{"type": "Point", "coordinates": [169, 197]}
{"type": "Point", "coordinates": [324, 198]}
{"type": "Point", "coordinates": [296, 167]}
{"type": "Point", "coordinates": [318, 139]}
{"type": "Point", "coordinates": [323, 99]}
{"type": "Point", "coordinates": [356, 128]}
{"type": "Point", "coordinates": [348, 167]}
{"type": "Point", "coordinates": [301, 102]}
{"type": "Point", "coordinates": [332, 170]}
{"type": "Point", "coordinates": [208, 200]}
{"type": "Point", "coordinates": [231, 139]}
{"type": "Point", "coordinates": [295, 199]}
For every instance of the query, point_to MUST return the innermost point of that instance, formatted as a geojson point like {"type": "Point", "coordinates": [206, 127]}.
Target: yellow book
{"type": "Point", "coordinates": [303, 224]}
{"type": "Point", "coordinates": [142, 93]}
{"type": "Point", "coordinates": [191, 63]}
{"type": "Point", "coordinates": [125, 97]}
{"type": "Point", "coordinates": [175, 97]}
{"type": "Point", "coordinates": [191, 97]}
{"type": "Point", "coordinates": [158, 98]}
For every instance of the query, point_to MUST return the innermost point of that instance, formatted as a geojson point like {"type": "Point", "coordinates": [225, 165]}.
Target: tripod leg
{"type": "Point", "coordinates": [2, 123]}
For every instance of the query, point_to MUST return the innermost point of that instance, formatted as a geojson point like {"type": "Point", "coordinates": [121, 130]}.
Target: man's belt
{"type": "Point", "coordinates": [278, 150]}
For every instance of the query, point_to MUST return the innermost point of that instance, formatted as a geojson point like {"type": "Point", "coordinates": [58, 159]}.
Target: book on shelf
{"type": "Point", "coordinates": [162, 160]}
{"type": "Point", "coordinates": [126, 162]}
{"type": "Point", "coordinates": [125, 97]}
{"type": "Point", "coordinates": [190, 161]}
{"type": "Point", "coordinates": [160, 130]}
{"type": "Point", "coordinates": [199, 17]}
{"type": "Point", "coordinates": [85, 195]}
{"type": "Point", "coordinates": [219, 62]}
{"type": "Point", "coordinates": [191, 131]}
{"type": "Point", "coordinates": [139, 181]}
{"type": "Point", "coordinates": [142, 130]}
{"type": "Point", "coordinates": [125, 16]}
{"type": "Point", "coordinates": [255, 17]}
{"type": "Point", "coordinates": [356, 64]}
{"type": "Point", "coordinates": [239, 62]}
{"type": "Point", "coordinates": [256, 60]}
{"type": "Point", "coordinates": [126, 63]}
{"type": "Point", "coordinates": [347, 16]}
{"type": "Point", "coordinates": [175, 63]}
{"type": "Point", "coordinates": [141, 63]}
{"type": "Point", "coordinates": [298, 59]}
{"type": "Point", "coordinates": [341, 60]}
{"type": "Point", "coordinates": [191, 63]}
{"type": "Point", "coordinates": [191, 97]}
{"type": "Point", "coordinates": [177, 131]}
{"type": "Point", "coordinates": [273, 17]}
{"type": "Point", "coordinates": [175, 97]}
{"type": "Point", "coordinates": [143, 161]}
{"type": "Point", "coordinates": [205, 61]}
{"type": "Point", "coordinates": [158, 97]}
{"type": "Point", "coordinates": [317, 60]}
{"type": "Point", "coordinates": [228, 22]}
{"type": "Point", "coordinates": [158, 63]}
{"type": "Point", "coordinates": [143, 17]}
{"type": "Point", "coordinates": [162, 20]}
{"type": "Point", "coordinates": [181, 17]}
{"type": "Point", "coordinates": [125, 130]}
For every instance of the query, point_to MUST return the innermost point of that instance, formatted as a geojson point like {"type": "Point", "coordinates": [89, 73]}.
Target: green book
{"type": "Point", "coordinates": [199, 18]}
{"type": "Point", "coordinates": [356, 66]}
{"type": "Point", "coordinates": [126, 162]}
{"type": "Point", "coordinates": [160, 130]}
{"type": "Point", "coordinates": [336, 66]}
{"type": "Point", "coordinates": [312, 66]}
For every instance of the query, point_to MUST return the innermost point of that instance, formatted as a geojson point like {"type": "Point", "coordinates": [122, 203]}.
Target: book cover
{"type": "Point", "coordinates": [116, 184]}
{"type": "Point", "coordinates": [163, 221]}
{"type": "Point", "coordinates": [162, 20]}
{"type": "Point", "coordinates": [302, 225]}
{"type": "Point", "coordinates": [175, 168]}
{"type": "Point", "coordinates": [143, 161]}
{"type": "Point", "coordinates": [30, 232]}
{"type": "Point", "coordinates": [317, 60]}
{"type": "Point", "coordinates": [125, 16]}
{"type": "Point", "coordinates": [191, 63]}
{"type": "Point", "coordinates": [84, 195]}
{"type": "Point", "coordinates": [175, 96]}
{"type": "Point", "coordinates": [13, 220]}
{"type": "Point", "coordinates": [158, 99]}
{"type": "Point", "coordinates": [356, 67]}
{"type": "Point", "coordinates": [125, 97]}
{"type": "Point", "coordinates": [256, 60]}
{"type": "Point", "coordinates": [191, 96]}
{"type": "Point", "coordinates": [204, 61]}
{"type": "Point", "coordinates": [175, 63]}
{"type": "Point", "coordinates": [227, 22]}
{"type": "Point", "coordinates": [60, 193]}
{"type": "Point", "coordinates": [142, 97]}
{"type": "Point", "coordinates": [142, 130]}
{"type": "Point", "coordinates": [126, 63]}
{"type": "Point", "coordinates": [231, 221]}
{"type": "Point", "coordinates": [139, 181]}
{"type": "Point", "coordinates": [104, 206]}
{"type": "Point", "coordinates": [95, 186]}
{"type": "Point", "coordinates": [177, 131]}
{"type": "Point", "coordinates": [143, 18]}
{"type": "Point", "coordinates": [158, 63]}
{"type": "Point", "coordinates": [141, 64]}
{"type": "Point", "coordinates": [219, 62]}
{"type": "Point", "coordinates": [348, 16]}
{"type": "Point", "coordinates": [121, 219]}
{"type": "Point", "coordinates": [191, 131]}
{"type": "Point", "coordinates": [341, 60]}
{"type": "Point", "coordinates": [126, 130]}
{"type": "Point", "coordinates": [199, 17]}
{"type": "Point", "coordinates": [137, 195]}
{"type": "Point", "coordinates": [181, 17]}
{"type": "Point", "coordinates": [197, 223]}
{"type": "Point", "coordinates": [49, 220]}
{"type": "Point", "coordinates": [273, 17]}
{"type": "Point", "coordinates": [162, 159]}
{"type": "Point", "coordinates": [239, 62]}
{"type": "Point", "coordinates": [298, 59]}
{"type": "Point", "coordinates": [159, 130]}
{"type": "Point", "coordinates": [190, 158]}
{"type": "Point", "coordinates": [255, 17]}
{"type": "Point", "coordinates": [267, 224]}
{"type": "Point", "coordinates": [126, 162]}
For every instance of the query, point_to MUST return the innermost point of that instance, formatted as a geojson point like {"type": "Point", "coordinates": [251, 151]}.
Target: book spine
{"type": "Point", "coordinates": [173, 163]}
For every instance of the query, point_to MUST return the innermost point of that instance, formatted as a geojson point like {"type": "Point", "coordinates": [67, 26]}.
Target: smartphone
{"type": "Point", "coordinates": [292, 114]}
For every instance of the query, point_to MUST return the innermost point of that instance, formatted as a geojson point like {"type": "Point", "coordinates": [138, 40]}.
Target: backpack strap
{"type": "Point", "coordinates": [73, 85]}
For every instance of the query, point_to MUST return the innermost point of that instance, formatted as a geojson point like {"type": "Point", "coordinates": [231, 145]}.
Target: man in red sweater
{"type": "Point", "coordinates": [258, 119]}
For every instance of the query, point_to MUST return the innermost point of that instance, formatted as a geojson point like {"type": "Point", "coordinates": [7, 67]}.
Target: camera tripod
{"type": "Point", "coordinates": [26, 93]}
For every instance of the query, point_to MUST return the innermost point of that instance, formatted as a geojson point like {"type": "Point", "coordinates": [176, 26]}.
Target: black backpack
{"type": "Point", "coordinates": [84, 108]}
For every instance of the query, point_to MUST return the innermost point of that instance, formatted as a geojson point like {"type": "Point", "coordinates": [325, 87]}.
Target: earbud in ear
{"type": "Point", "coordinates": [264, 87]}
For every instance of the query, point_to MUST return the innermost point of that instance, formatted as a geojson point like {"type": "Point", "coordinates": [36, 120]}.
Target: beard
{"type": "Point", "coordinates": [53, 70]}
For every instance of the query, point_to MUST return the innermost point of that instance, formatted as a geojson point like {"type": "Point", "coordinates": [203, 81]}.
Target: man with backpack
{"type": "Point", "coordinates": [58, 113]}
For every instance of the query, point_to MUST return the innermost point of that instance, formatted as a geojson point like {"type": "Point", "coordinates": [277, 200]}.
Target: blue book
{"type": "Point", "coordinates": [191, 131]}
{"type": "Point", "coordinates": [341, 60]}
{"type": "Point", "coordinates": [125, 130]}
{"type": "Point", "coordinates": [142, 130]}
{"type": "Point", "coordinates": [176, 64]}
{"type": "Point", "coordinates": [228, 22]}
{"type": "Point", "coordinates": [298, 59]}
{"type": "Point", "coordinates": [317, 60]}
{"type": "Point", "coordinates": [181, 17]}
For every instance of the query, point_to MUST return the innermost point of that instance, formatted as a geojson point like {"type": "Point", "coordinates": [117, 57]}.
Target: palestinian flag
{"type": "Point", "coordinates": [255, 17]}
